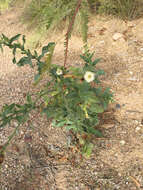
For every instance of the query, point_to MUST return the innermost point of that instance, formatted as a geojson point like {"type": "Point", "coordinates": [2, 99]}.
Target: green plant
{"type": "Point", "coordinates": [4, 4]}
{"type": "Point", "coordinates": [74, 92]}
{"type": "Point", "coordinates": [48, 14]}
{"type": "Point", "coordinates": [125, 9]}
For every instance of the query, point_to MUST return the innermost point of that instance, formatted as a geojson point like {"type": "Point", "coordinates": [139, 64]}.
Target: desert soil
{"type": "Point", "coordinates": [38, 157]}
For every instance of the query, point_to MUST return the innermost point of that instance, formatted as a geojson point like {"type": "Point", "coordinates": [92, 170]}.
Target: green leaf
{"type": "Point", "coordinates": [14, 60]}
{"type": "Point", "coordinates": [96, 108]}
{"type": "Point", "coordinates": [14, 38]}
{"type": "Point", "coordinates": [6, 39]}
{"type": "Point", "coordinates": [100, 72]}
{"type": "Point", "coordinates": [48, 48]}
{"type": "Point", "coordinates": [85, 59]}
{"type": "Point", "coordinates": [45, 66]}
{"type": "Point", "coordinates": [1, 48]}
{"type": "Point", "coordinates": [58, 123]}
{"type": "Point", "coordinates": [22, 118]}
{"type": "Point", "coordinates": [46, 100]}
{"type": "Point", "coordinates": [23, 39]}
{"type": "Point", "coordinates": [54, 93]}
{"type": "Point", "coordinates": [94, 132]}
{"type": "Point", "coordinates": [37, 78]}
{"type": "Point", "coordinates": [96, 61]}
{"type": "Point", "coordinates": [29, 99]}
{"type": "Point", "coordinates": [87, 149]}
{"type": "Point", "coordinates": [35, 54]}
{"type": "Point", "coordinates": [93, 100]}
{"type": "Point", "coordinates": [14, 51]}
{"type": "Point", "coordinates": [25, 60]}
{"type": "Point", "coordinates": [9, 109]}
{"type": "Point", "coordinates": [74, 127]}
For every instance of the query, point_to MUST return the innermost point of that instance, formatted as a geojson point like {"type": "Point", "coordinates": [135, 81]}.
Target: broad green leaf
{"type": "Point", "coordinates": [25, 60]}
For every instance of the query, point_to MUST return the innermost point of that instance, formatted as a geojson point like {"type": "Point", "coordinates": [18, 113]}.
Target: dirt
{"type": "Point", "coordinates": [39, 157]}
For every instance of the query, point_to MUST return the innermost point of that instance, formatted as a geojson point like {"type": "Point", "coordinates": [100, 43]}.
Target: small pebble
{"type": "Point", "coordinates": [133, 79]}
{"type": "Point", "coordinates": [28, 138]}
{"type": "Point", "coordinates": [130, 72]}
{"type": "Point", "coordinates": [119, 174]}
{"type": "Point", "coordinates": [118, 106]}
{"type": "Point", "coordinates": [136, 121]}
{"type": "Point", "coordinates": [117, 36]}
{"type": "Point", "coordinates": [102, 42]}
{"type": "Point", "coordinates": [138, 128]}
{"type": "Point", "coordinates": [122, 142]}
{"type": "Point", "coordinates": [6, 166]}
{"type": "Point", "coordinates": [15, 124]}
{"type": "Point", "coordinates": [21, 132]}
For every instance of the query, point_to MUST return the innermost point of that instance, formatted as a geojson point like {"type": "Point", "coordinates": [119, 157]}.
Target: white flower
{"type": "Point", "coordinates": [89, 76]}
{"type": "Point", "coordinates": [59, 72]}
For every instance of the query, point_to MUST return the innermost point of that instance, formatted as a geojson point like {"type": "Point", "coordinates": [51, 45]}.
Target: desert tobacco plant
{"type": "Point", "coordinates": [73, 91]}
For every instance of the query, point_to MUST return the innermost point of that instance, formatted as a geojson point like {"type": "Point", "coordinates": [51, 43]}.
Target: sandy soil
{"type": "Point", "coordinates": [38, 157]}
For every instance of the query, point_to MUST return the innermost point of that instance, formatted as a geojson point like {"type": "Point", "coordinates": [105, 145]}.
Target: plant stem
{"type": "Point", "coordinates": [69, 30]}
{"type": "Point", "coordinates": [10, 138]}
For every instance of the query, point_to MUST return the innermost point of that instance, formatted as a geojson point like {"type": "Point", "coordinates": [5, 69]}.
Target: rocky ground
{"type": "Point", "coordinates": [38, 157]}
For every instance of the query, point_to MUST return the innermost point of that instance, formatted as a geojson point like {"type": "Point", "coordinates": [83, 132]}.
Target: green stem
{"type": "Point", "coordinates": [9, 139]}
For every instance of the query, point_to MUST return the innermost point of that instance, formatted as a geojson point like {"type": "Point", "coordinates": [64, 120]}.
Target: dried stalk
{"type": "Point", "coordinates": [69, 30]}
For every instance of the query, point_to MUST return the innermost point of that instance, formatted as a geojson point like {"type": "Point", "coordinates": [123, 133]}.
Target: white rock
{"type": "Point", "coordinates": [130, 24]}
{"type": "Point", "coordinates": [15, 124]}
{"type": "Point", "coordinates": [130, 72]}
{"type": "Point", "coordinates": [133, 79]}
{"type": "Point", "coordinates": [119, 174]}
{"type": "Point", "coordinates": [122, 142]}
{"type": "Point", "coordinates": [136, 121]}
{"type": "Point", "coordinates": [117, 36]}
{"type": "Point", "coordinates": [138, 128]}
{"type": "Point", "coordinates": [141, 49]}
{"type": "Point", "coordinates": [6, 166]}
{"type": "Point", "coordinates": [108, 126]}
{"type": "Point", "coordinates": [102, 42]}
